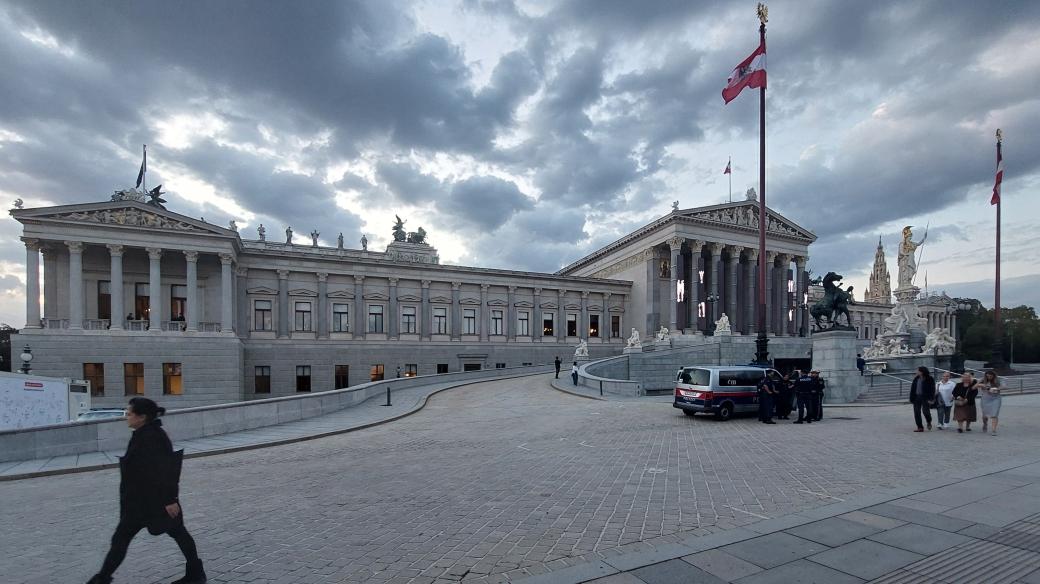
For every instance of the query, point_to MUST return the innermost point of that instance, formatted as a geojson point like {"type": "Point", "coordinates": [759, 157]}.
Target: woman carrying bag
{"type": "Point", "coordinates": [964, 403]}
{"type": "Point", "coordinates": [149, 473]}
{"type": "Point", "coordinates": [990, 389]}
{"type": "Point", "coordinates": [922, 395]}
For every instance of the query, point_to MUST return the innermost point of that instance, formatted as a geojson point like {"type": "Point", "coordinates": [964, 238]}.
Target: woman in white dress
{"type": "Point", "coordinates": [989, 389]}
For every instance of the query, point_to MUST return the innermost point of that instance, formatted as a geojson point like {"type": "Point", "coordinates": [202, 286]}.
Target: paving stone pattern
{"type": "Point", "coordinates": [509, 479]}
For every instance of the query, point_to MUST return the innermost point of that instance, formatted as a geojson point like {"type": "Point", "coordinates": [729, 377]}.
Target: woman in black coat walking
{"type": "Point", "coordinates": [148, 477]}
{"type": "Point", "coordinates": [922, 395]}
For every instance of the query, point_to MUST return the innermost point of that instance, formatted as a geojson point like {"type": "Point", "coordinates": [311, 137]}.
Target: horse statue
{"type": "Point", "coordinates": [834, 303]}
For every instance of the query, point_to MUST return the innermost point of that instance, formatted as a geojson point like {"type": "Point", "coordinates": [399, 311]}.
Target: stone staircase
{"type": "Point", "coordinates": [887, 390]}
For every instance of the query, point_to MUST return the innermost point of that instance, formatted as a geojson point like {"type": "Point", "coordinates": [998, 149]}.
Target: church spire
{"type": "Point", "coordinates": [879, 290]}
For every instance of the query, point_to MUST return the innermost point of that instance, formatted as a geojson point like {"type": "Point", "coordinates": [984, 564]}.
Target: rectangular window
{"type": "Point", "coordinates": [615, 326]}
{"type": "Point", "coordinates": [375, 318]}
{"type": "Point", "coordinates": [172, 380]}
{"type": "Point", "coordinates": [572, 325]}
{"type": "Point", "coordinates": [593, 325]}
{"type": "Point", "coordinates": [471, 366]}
{"type": "Point", "coordinates": [95, 374]}
{"type": "Point", "coordinates": [500, 365]}
{"type": "Point", "coordinates": [442, 368]}
{"type": "Point", "coordinates": [342, 376]}
{"type": "Point", "coordinates": [178, 302]}
{"type": "Point", "coordinates": [408, 320]}
{"type": "Point", "coordinates": [469, 321]}
{"type": "Point", "coordinates": [340, 318]}
{"type": "Point", "coordinates": [262, 379]}
{"type": "Point", "coordinates": [547, 325]}
{"type": "Point", "coordinates": [523, 323]}
{"type": "Point", "coordinates": [303, 316]}
{"type": "Point", "coordinates": [133, 378]}
{"type": "Point", "coordinates": [410, 370]}
{"type": "Point", "coordinates": [303, 378]}
{"type": "Point", "coordinates": [376, 372]}
{"type": "Point", "coordinates": [440, 321]}
{"type": "Point", "coordinates": [104, 299]}
{"type": "Point", "coordinates": [496, 322]}
{"type": "Point", "coordinates": [262, 315]}
{"type": "Point", "coordinates": [141, 301]}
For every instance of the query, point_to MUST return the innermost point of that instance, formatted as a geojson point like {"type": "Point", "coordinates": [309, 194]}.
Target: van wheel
{"type": "Point", "coordinates": [725, 412]}
{"type": "Point", "coordinates": [690, 413]}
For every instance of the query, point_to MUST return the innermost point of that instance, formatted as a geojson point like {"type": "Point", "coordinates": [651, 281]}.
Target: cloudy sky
{"type": "Point", "coordinates": [525, 134]}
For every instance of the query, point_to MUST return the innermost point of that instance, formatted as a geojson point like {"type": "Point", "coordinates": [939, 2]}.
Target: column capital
{"type": "Point", "coordinates": [716, 248]}
{"type": "Point", "coordinates": [649, 253]}
{"type": "Point", "coordinates": [735, 250]}
{"type": "Point", "coordinates": [785, 258]}
{"type": "Point", "coordinates": [241, 272]}
{"type": "Point", "coordinates": [537, 291]}
{"type": "Point", "coordinates": [512, 289]}
{"type": "Point", "coordinates": [425, 283]}
{"type": "Point", "coordinates": [49, 251]}
{"type": "Point", "coordinates": [358, 279]}
{"type": "Point", "coordinates": [456, 285]}
{"type": "Point", "coordinates": [191, 256]}
{"type": "Point", "coordinates": [283, 274]}
{"type": "Point", "coordinates": [752, 253]}
{"type": "Point", "coordinates": [695, 245]}
{"type": "Point", "coordinates": [154, 253]}
{"type": "Point", "coordinates": [607, 295]}
{"type": "Point", "coordinates": [584, 293]}
{"type": "Point", "coordinates": [31, 243]}
{"type": "Point", "coordinates": [771, 256]}
{"type": "Point", "coordinates": [484, 287]}
{"type": "Point", "coordinates": [799, 262]}
{"type": "Point", "coordinates": [226, 259]}
{"type": "Point", "coordinates": [393, 281]}
{"type": "Point", "coordinates": [114, 250]}
{"type": "Point", "coordinates": [323, 276]}
{"type": "Point", "coordinates": [75, 246]}
{"type": "Point", "coordinates": [675, 243]}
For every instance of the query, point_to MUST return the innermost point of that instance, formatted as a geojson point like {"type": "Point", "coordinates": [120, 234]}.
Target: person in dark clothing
{"type": "Point", "coordinates": [803, 390]}
{"type": "Point", "coordinates": [922, 395]}
{"type": "Point", "coordinates": [818, 388]}
{"type": "Point", "coordinates": [574, 373]}
{"type": "Point", "coordinates": [148, 493]}
{"type": "Point", "coordinates": [557, 362]}
{"type": "Point", "coordinates": [766, 391]}
{"type": "Point", "coordinates": [782, 398]}
{"type": "Point", "coordinates": [861, 364]}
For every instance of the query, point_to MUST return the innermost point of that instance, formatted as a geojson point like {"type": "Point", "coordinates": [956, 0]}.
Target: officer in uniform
{"type": "Point", "coordinates": [818, 387]}
{"type": "Point", "coordinates": [766, 391]}
{"type": "Point", "coordinates": [803, 389]}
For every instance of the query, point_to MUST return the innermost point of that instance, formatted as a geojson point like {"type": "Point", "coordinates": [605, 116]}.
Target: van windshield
{"type": "Point", "coordinates": [694, 376]}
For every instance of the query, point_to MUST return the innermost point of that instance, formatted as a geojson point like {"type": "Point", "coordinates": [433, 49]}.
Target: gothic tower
{"type": "Point", "coordinates": [879, 291]}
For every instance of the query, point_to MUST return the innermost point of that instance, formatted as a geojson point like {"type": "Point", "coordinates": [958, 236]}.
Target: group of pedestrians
{"type": "Point", "coordinates": [960, 397]}
{"type": "Point", "coordinates": [777, 397]}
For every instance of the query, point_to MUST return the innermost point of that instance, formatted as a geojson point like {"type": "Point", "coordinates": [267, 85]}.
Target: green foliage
{"type": "Point", "coordinates": [976, 331]}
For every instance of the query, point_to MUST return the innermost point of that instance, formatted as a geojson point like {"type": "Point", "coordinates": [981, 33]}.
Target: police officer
{"type": "Point", "coordinates": [766, 391]}
{"type": "Point", "coordinates": [818, 388]}
{"type": "Point", "coordinates": [803, 389]}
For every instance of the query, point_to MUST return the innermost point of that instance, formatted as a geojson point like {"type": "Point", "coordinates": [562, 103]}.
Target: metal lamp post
{"type": "Point", "coordinates": [27, 358]}
{"type": "Point", "coordinates": [711, 299]}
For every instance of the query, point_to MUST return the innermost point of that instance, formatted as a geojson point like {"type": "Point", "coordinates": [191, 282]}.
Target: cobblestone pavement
{"type": "Point", "coordinates": [489, 482]}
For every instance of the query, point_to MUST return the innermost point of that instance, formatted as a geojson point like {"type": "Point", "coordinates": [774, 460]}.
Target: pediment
{"type": "Point", "coordinates": [523, 304]}
{"type": "Point", "coordinates": [376, 296]}
{"type": "Point", "coordinates": [440, 300]}
{"type": "Point", "coordinates": [470, 301]}
{"type": "Point", "coordinates": [497, 302]}
{"type": "Point", "coordinates": [616, 309]}
{"type": "Point", "coordinates": [264, 290]}
{"type": "Point", "coordinates": [303, 292]}
{"type": "Point", "coordinates": [745, 216]}
{"type": "Point", "coordinates": [409, 298]}
{"type": "Point", "coordinates": [122, 215]}
{"type": "Point", "coordinates": [549, 305]}
{"type": "Point", "coordinates": [341, 294]}
{"type": "Point", "coordinates": [573, 307]}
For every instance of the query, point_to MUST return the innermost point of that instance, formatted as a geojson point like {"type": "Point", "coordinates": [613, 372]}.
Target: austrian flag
{"type": "Point", "coordinates": [999, 178]}
{"type": "Point", "coordinates": [751, 72]}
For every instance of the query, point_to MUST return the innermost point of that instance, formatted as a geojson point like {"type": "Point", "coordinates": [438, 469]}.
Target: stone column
{"type": "Point", "coordinates": [770, 291]}
{"type": "Point", "coordinates": [242, 301]}
{"type": "Point", "coordinates": [799, 295]}
{"type": "Point", "coordinates": [50, 281]}
{"type": "Point", "coordinates": [693, 276]}
{"type": "Point", "coordinates": [393, 319]}
{"type": "Point", "coordinates": [783, 298]}
{"type": "Point", "coordinates": [484, 324]}
{"type": "Point", "coordinates": [283, 304]}
{"type": "Point", "coordinates": [752, 292]}
{"type": "Point", "coordinates": [653, 299]}
{"type": "Point", "coordinates": [536, 326]}
{"type": "Point", "coordinates": [733, 265]}
{"type": "Point", "coordinates": [227, 300]}
{"type": "Point", "coordinates": [154, 289]}
{"type": "Point", "coordinates": [424, 319]}
{"type": "Point", "coordinates": [716, 276]}
{"type": "Point", "coordinates": [192, 318]}
{"type": "Point", "coordinates": [323, 304]}
{"type": "Point", "coordinates": [675, 247]}
{"type": "Point", "coordinates": [604, 319]}
{"type": "Point", "coordinates": [456, 311]}
{"type": "Point", "coordinates": [561, 316]}
{"type": "Point", "coordinates": [115, 286]}
{"type": "Point", "coordinates": [583, 323]}
{"type": "Point", "coordinates": [360, 326]}
{"type": "Point", "coordinates": [511, 314]}
{"type": "Point", "coordinates": [75, 284]}
{"type": "Point", "coordinates": [32, 283]}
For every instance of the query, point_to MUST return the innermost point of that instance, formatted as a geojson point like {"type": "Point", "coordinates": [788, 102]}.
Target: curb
{"type": "Point", "coordinates": [563, 389]}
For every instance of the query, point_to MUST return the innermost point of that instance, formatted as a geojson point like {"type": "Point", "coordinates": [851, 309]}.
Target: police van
{"type": "Point", "coordinates": [722, 390]}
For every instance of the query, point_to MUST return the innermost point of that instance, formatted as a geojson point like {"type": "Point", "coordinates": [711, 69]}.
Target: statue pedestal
{"type": "Point", "coordinates": [582, 360]}
{"type": "Point", "coordinates": [663, 344]}
{"type": "Point", "coordinates": [630, 350]}
{"type": "Point", "coordinates": [834, 356]}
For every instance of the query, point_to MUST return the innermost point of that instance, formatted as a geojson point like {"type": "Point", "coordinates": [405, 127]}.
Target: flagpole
{"type": "Point", "coordinates": [144, 175]}
{"type": "Point", "coordinates": [729, 167]}
{"type": "Point", "coordinates": [997, 357]}
{"type": "Point", "coordinates": [762, 340]}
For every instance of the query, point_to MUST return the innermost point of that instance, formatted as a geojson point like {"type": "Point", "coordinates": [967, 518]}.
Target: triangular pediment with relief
{"type": "Point", "coordinates": [745, 216]}
{"type": "Point", "coordinates": [121, 215]}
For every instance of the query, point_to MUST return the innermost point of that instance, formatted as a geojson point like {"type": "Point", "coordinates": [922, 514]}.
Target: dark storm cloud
{"type": "Point", "coordinates": [407, 183]}
{"type": "Point", "coordinates": [485, 202]}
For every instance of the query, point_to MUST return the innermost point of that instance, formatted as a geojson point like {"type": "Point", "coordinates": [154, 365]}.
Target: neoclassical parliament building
{"type": "Point", "coordinates": [141, 300]}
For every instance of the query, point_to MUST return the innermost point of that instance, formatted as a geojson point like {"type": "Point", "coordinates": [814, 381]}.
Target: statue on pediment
{"type": "Point", "coordinates": [288, 235]}
{"type": "Point", "coordinates": [314, 238]}
{"type": "Point", "coordinates": [751, 195]}
{"type": "Point", "coordinates": [339, 240]}
{"type": "Point", "coordinates": [18, 203]}
{"type": "Point", "coordinates": [233, 226]}
{"type": "Point", "coordinates": [155, 197]}
{"type": "Point", "coordinates": [262, 232]}
{"type": "Point", "coordinates": [130, 194]}
{"type": "Point", "coordinates": [675, 205]}
{"type": "Point", "coordinates": [399, 232]}
{"type": "Point", "coordinates": [417, 236]}
{"type": "Point", "coordinates": [364, 242]}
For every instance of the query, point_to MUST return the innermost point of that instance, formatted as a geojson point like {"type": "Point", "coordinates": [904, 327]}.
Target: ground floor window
{"type": "Point", "coordinates": [303, 378]}
{"type": "Point", "coordinates": [172, 380]}
{"type": "Point", "coordinates": [342, 376]}
{"type": "Point", "coordinates": [262, 379]}
{"type": "Point", "coordinates": [593, 325]}
{"type": "Point", "coordinates": [547, 325]}
{"type": "Point", "coordinates": [615, 326]}
{"type": "Point", "coordinates": [471, 366]}
{"type": "Point", "coordinates": [500, 365]}
{"type": "Point", "coordinates": [95, 374]}
{"type": "Point", "coordinates": [376, 373]}
{"type": "Point", "coordinates": [442, 368]}
{"type": "Point", "coordinates": [572, 325]}
{"type": "Point", "coordinates": [411, 369]}
{"type": "Point", "coordinates": [133, 378]}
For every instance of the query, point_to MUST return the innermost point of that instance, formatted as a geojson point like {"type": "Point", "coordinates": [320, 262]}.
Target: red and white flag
{"type": "Point", "coordinates": [727, 171]}
{"type": "Point", "coordinates": [1000, 177]}
{"type": "Point", "coordinates": [751, 72]}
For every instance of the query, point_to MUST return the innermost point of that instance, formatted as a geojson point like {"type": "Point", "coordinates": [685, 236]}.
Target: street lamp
{"type": "Point", "coordinates": [711, 299]}
{"type": "Point", "coordinates": [27, 358]}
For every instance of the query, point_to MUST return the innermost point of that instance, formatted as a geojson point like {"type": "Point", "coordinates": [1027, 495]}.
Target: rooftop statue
{"type": "Point", "coordinates": [155, 196]}
{"type": "Point", "coordinates": [399, 232]}
{"type": "Point", "coordinates": [418, 236]}
{"type": "Point", "coordinates": [262, 232]}
{"type": "Point", "coordinates": [364, 242]}
{"type": "Point", "coordinates": [288, 235]}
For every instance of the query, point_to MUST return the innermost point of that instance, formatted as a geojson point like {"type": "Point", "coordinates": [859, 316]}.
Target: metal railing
{"type": "Point", "coordinates": [901, 381]}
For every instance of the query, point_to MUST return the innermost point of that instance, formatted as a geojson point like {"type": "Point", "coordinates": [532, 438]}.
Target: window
{"type": "Point", "coordinates": [262, 315]}
{"type": "Point", "coordinates": [525, 364]}
{"type": "Point", "coordinates": [500, 365]}
{"type": "Point", "coordinates": [593, 325]}
{"type": "Point", "coordinates": [408, 319]}
{"type": "Point", "coordinates": [442, 368]}
{"type": "Point", "coordinates": [739, 378]}
{"type": "Point", "coordinates": [178, 302]}
{"type": "Point", "coordinates": [95, 374]}
{"type": "Point", "coordinates": [342, 376]}
{"type": "Point", "coordinates": [572, 325]}
{"type": "Point", "coordinates": [303, 316]}
{"type": "Point", "coordinates": [375, 318]}
{"type": "Point", "coordinates": [133, 378]}
{"type": "Point", "coordinates": [262, 379]}
{"type": "Point", "coordinates": [496, 322]}
{"type": "Point", "coordinates": [469, 321]}
{"type": "Point", "coordinates": [172, 380]}
{"type": "Point", "coordinates": [471, 366]}
{"type": "Point", "coordinates": [376, 372]}
{"type": "Point", "coordinates": [547, 325]}
{"type": "Point", "coordinates": [440, 321]}
{"type": "Point", "coordinates": [141, 301]}
{"type": "Point", "coordinates": [523, 323]}
{"type": "Point", "coordinates": [615, 325]}
{"type": "Point", "coordinates": [104, 299]}
{"type": "Point", "coordinates": [303, 378]}
{"type": "Point", "coordinates": [410, 370]}
{"type": "Point", "coordinates": [340, 318]}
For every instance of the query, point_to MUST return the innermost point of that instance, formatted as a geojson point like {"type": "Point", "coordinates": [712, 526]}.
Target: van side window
{"type": "Point", "coordinates": [729, 378]}
{"type": "Point", "coordinates": [749, 378]}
